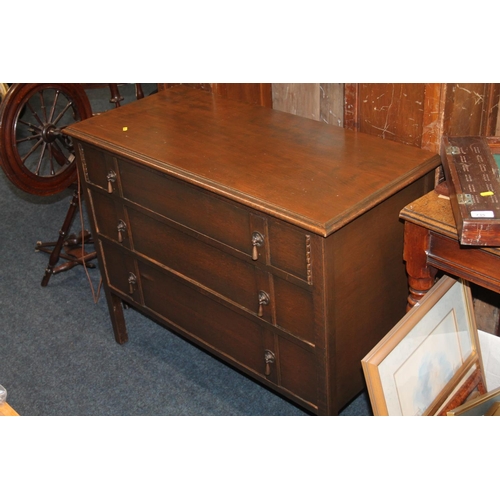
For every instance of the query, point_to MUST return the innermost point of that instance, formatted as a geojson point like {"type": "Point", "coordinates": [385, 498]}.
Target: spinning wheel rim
{"type": "Point", "coordinates": [46, 164]}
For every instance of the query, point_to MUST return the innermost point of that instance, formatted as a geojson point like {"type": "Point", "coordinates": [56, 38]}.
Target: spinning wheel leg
{"type": "Point", "coordinates": [74, 246]}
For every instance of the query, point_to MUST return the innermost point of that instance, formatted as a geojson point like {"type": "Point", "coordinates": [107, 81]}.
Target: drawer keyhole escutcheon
{"type": "Point", "coordinates": [257, 241]}
{"type": "Point", "coordinates": [132, 281]}
{"type": "Point", "coordinates": [269, 358]}
{"type": "Point", "coordinates": [121, 227]}
{"type": "Point", "coordinates": [111, 178]}
{"type": "Point", "coordinates": [263, 301]}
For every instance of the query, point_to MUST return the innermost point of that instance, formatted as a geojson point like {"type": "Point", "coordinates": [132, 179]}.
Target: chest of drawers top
{"type": "Point", "coordinates": [314, 175]}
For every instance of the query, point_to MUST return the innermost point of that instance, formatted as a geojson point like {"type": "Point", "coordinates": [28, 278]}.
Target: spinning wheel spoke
{"type": "Point", "coordinates": [52, 170]}
{"type": "Point", "coordinates": [42, 106]}
{"type": "Point", "coordinates": [54, 104]}
{"type": "Point", "coordinates": [39, 164]}
{"type": "Point", "coordinates": [35, 114]}
{"type": "Point", "coordinates": [62, 113]}
{"type": "Point", "coordinates": [33, 137]}
{"type": "Point", "coordinates": [31, 128]}
{"type": "Point", "coordinates": [31, 151]}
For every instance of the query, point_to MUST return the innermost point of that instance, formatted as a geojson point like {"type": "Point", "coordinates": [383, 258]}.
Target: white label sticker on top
{"type": "Point", "coordinates": [482, 214]}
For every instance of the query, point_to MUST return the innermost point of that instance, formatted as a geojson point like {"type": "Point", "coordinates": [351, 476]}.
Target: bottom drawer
{"type": "Point", "coordinates": [191, 311]}
{"type": "Point", "coordinates": [246, 341]}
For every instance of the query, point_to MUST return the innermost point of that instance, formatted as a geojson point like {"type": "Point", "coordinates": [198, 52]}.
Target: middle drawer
{"type": "Point", "coordinates": [191, 258]}
{"type": "Point", "coordinates": [275, 300]}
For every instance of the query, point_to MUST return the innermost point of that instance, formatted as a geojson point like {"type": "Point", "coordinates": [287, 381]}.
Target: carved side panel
{"type": "Point", "coordinates": [84, 162]}
{"type": "Point", "coordinates": [308, 260]}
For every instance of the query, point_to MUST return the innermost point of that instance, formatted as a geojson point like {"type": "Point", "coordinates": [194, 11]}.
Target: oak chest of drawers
{"type": "Point", "coordinates": [272, 241]}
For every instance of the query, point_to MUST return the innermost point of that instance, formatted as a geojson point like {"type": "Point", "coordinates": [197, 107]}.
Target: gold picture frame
{"type": "Point", "coordinates": [430, 362]}
{"type": "Point", "coordinates": [487, 404]}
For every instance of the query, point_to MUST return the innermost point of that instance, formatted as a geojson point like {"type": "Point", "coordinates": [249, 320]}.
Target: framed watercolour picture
{"type": "Point", "coordinates": [430, 362]}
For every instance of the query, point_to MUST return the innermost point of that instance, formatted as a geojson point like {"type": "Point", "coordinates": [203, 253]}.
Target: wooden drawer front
{"type": "Point", "coordinates": [235, 279]}
{"type": "Point", "coordinates": [196, 313]}
{"type": "Point", "coordinates": [97, 165]}
{"type": "Point", "coordinates": [290, 249]}
{"type": "Point", "coordinates": [474, 264]}
{"type": "Point", "coordinates": [294, 309]}
{"type": "Point", "coordinates": [298, 370]}
{"type": "Point", "coordinates": [121, 270]}
{"type": "Point", "coordinates": [192, 207]}
{"type": "Point", "coordinates": [109, 217]}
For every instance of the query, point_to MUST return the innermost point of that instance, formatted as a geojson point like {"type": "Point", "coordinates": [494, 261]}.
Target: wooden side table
{"type": "Point", "coordinates": [7, 411]}
{"type": "Point", "coordinates": [431, 244]}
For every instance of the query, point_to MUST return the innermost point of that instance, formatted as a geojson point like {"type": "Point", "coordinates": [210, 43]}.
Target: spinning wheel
{"type": "Point", "coordinates": [34, 153]}
{"type": "Point", "coordinates": [39, 159]}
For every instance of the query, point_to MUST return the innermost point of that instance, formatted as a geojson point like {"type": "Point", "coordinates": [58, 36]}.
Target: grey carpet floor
{"type": "Point", "coordinates": [58, 355]}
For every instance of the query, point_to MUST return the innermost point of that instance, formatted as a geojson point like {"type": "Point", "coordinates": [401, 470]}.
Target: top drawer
{"type": "Point", "coordinates": [175, 199]}
{"type": "Point", "coordinates": [190, 206]}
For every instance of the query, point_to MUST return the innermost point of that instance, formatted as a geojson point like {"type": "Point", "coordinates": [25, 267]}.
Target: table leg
{"type": "Point", "coordinates": [115, 307]}
{"type": "Point", "coordinates": [421, 276]}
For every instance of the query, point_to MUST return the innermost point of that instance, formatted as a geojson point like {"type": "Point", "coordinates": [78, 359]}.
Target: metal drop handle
{"type": "Point", "coordinates": [264, 300]}
{"type": "Point", "coordinates": [121, 228]}
{"type": "Point", "coordinates": [257, 241]}
{"type": "Point", "coordinates": [269, 358]}
{"type": "Point", "coordinates": [111, 178]}
{"type": "Point", "coordinates": [132, 281]}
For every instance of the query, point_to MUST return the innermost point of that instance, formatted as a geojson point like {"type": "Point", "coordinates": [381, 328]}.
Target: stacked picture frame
{"type": "Point", "coordinates": [430, 362]}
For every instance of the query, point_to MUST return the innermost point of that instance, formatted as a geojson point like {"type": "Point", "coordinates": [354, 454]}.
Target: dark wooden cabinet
{"type": "Point", "coordinates": [270, 240]}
